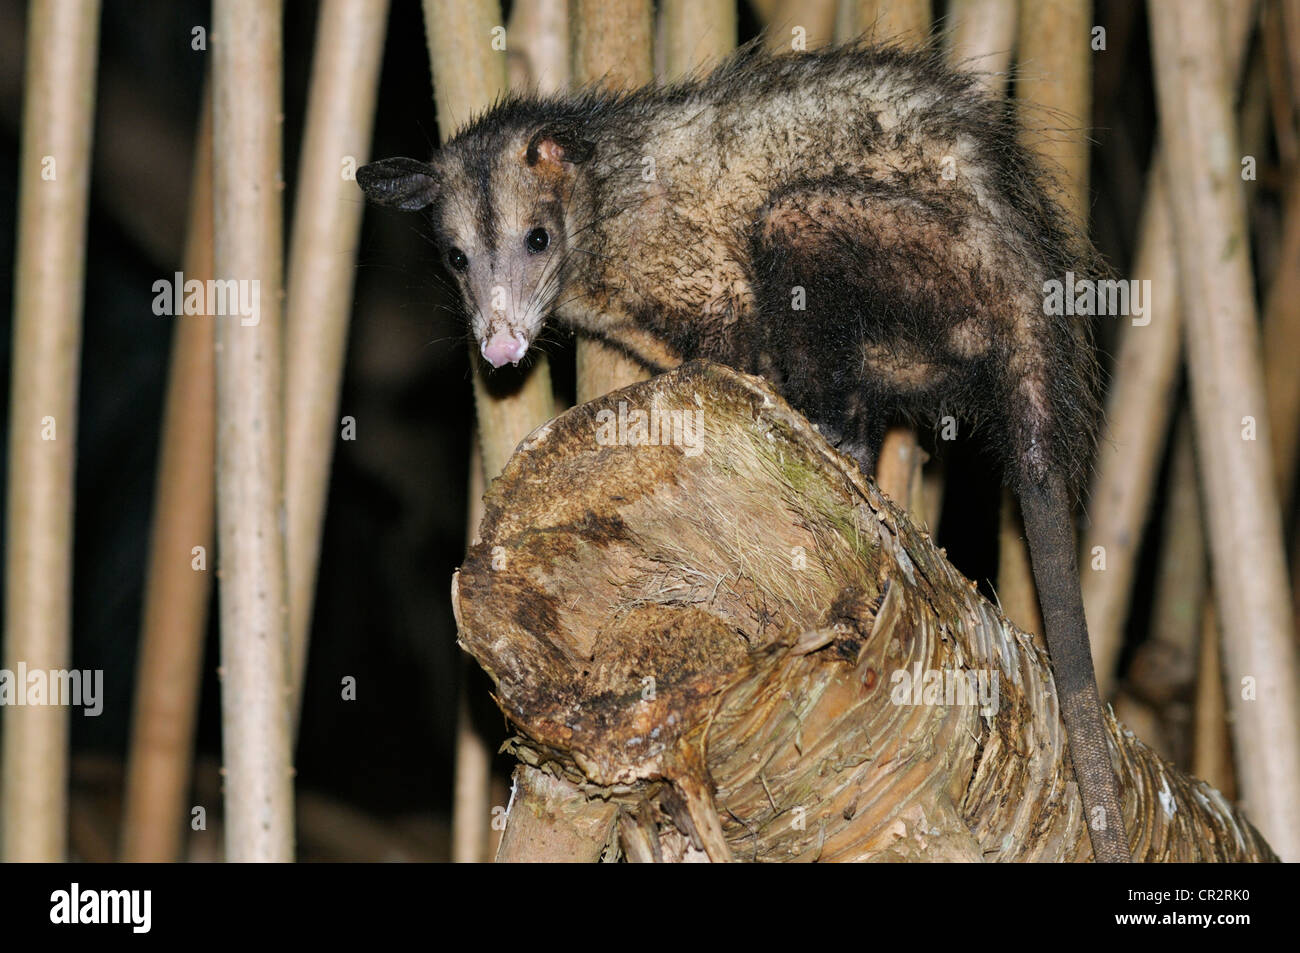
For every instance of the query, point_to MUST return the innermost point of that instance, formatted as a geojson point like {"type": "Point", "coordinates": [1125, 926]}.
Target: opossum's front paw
{"type": "Point", "coordinates": [862, 453]}
{"type": "Point", "coordinates": [833, 435]}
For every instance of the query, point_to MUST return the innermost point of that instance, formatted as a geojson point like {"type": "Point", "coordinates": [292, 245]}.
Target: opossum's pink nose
{"type": "Point", "coordinates": [504, 347]}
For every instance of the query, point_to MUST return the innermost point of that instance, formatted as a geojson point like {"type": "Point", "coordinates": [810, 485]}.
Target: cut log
{"type": "Point", "coordinates": [694, 608]}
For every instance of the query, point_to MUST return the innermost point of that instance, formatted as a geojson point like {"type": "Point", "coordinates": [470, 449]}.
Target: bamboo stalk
{"type": "Point", "coordinates": [1212, 751]}
{"type": "Point", "coordinates": [538, 56]}
{"type": "Point", "coordinates": [981, 36]}
{"type": "Point", "coordinates": [539, 45]}
{"type": "Point", "coordinates": [1223, 349]}
{"type": "Point", "coordinates": [611, 46]}
{"type": "Point", "coordinates": [799, 24]}
{"type": "Point", "coordinates": [169, 670]}
{"type": "Point", "coordinates": [889, 20]}
{"type": "Point", "coordinates": [49, 274]}
{"type": "Point", "coordinates": [468, 76]}
{"type": "Point", "coordinates": [326, 226]}
{"type": "Point", "coordinates": [1139, 406]}
{"type": "Point", "coordinates": [1281, 345]}
{"type": "Point", "coordinates": [470, 799]}
{"type": "Point", "coordinates": [696, 34]}
{"type": "Point", "coordinates": [1181, 583]}
{"type": "Point", "coordinates": [1055, 76]}
{"type": "Point", "coordinates": [255, 690]}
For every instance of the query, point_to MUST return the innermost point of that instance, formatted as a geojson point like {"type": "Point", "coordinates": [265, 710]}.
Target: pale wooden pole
{"type": "Point", "coordinates": [468, 76]}
{"type": "Point", "coordinates": [1222, 339]}
{"type": "Point", "coordinates": [695, 34]}
{"type": "Point", "coordinates": [247, 193]}
{"type": "Point", "coordinates": [179, 581]}
{"type": "Point", "coordinates": [611, 46]}
{"type": "Point", "coordinates": [888, 20]}
{"type": "Point", "coordinates": [49, 273]}
{"type": "Point", "coordinates": [798, 24]}
{"type": "Point", "coordinates": [1282, 344]}
{"type": "Point", "coordinates": [537, 56]}
{"type": "Point", "coordinates": [538, 51]}
{"type": "Point", "coordinates": [322, 254]}
{"type": "Point", "coordinates": [1139, 405]}
{"type": "Point", "coordinates": [981, 36]}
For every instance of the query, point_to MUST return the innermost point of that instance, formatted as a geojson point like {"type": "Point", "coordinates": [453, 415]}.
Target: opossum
{"type": "Point", "coordinates": [860, 225]}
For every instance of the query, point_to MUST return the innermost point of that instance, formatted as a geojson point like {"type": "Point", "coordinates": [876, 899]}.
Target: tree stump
{"type": "Point", "coordinates": [720, 642]}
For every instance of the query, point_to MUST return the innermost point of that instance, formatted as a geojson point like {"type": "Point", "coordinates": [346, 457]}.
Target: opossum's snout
{"type": "Point", "coordinates": [504, 347]}
{"type": "Point", "coordinates": [511, 288]}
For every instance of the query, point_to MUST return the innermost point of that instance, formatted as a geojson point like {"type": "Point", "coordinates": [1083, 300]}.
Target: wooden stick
{"type": "Point", "coordinates": [255, 690]}
{"type": "Point", "coordinates": [551, 822]}
{"type": "Point", "coordinates": [1212, 752]}
{"type": "Point", "coordinates": [1139, 406]}
{"type": "Point", "coordinates": [472, 779]}
{"type": "Point", "coordinates": [1182, 582]}
{"type": "Point", "coordinates": [611, 46]}
{"type": "Point", "coordinates": [538, 55]}
{"type": "Point", "coordinates": [981, 36]}
{"type": "Point", "coordinates": [468, 76]}
{"type": "Point", "coordinates": [800, 25]}
{"type": "Point", "coordinates": [1281, 345]}
{"type": "Point", "coordinates": [695, 34]}
{"type": "Point", "coordinates": [177, 588]}
{"type": "Point", "coordinates": [538, 51]}
{"type": "Point", "coordinates": [49, 272]}
{"type": "Point", "coordinates": [1055, 76]}
{"type": "Point", "coordinates": [889, 20]}
{"type": "Point", "coordinates": [1227, 387]}
{"type": "Point", "coordinates": [326, 226]}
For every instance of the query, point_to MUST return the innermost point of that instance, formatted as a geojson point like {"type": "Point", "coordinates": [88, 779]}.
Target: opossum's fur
{"type": "Point", "coordinates": [887, 186]}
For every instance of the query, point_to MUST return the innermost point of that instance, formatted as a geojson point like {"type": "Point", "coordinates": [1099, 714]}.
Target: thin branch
{"type": "Point", "coordinates": [1229, 408]}
{"type": "Point", "coordinates": [49, 273]}
{"type": "Point", "coordinates": [318, 306]}
{"type": "Point", "coordinates": [255, 689]}
{"type": "Point", "coordinates": [179, 582]}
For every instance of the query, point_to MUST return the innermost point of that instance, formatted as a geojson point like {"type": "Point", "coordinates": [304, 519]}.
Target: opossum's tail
{"type": "Point", "coordinates": [1052, 548]}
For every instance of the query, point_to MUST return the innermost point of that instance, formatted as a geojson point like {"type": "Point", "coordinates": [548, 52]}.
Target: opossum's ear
{"type": "Point", "coordinates": [558, 143]}
{"type": "Point", "coordinates": [399, 183]}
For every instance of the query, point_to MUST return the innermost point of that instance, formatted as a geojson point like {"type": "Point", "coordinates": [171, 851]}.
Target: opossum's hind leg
{"type": "Point", "coordinates": [865, 449]}
{"type": "Point", "coordinates": [845, 318]}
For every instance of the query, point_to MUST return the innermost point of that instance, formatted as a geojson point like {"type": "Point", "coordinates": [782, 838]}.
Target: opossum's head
{"type": "Point", "coordinates": [498, 202]}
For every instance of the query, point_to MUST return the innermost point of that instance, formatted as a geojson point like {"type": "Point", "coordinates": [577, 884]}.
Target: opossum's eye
{"type": "Point", "coordinates": [456, 260]}
{"type": "Point", "coordinates": [537, 240]}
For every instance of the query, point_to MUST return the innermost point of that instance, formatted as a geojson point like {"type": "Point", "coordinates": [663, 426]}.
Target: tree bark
{"type": "Point", "coordinates": [731, 636]}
